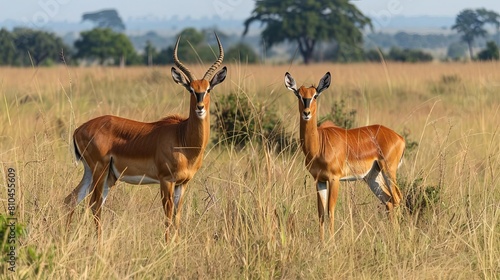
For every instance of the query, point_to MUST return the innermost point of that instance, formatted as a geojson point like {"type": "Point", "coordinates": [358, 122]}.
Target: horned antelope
{"type": "Point", "coordinates": [166, 152]}
{"type": "Point", "coordinates": [333, 154]}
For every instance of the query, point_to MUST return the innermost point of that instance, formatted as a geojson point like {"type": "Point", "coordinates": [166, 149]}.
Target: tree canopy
{"type": "Point", "coordinates": [470, 24]}
{"type": "Point", "coordinates": [307, 22]}
{"type": "Point", "coordinates": [105, 19]}
{"type": "Point", "coordinates": [105, 45]}
{"type": "Point", "coordinates": [8, 50]}
{"type": "Point", "coordinates": [25, 47]}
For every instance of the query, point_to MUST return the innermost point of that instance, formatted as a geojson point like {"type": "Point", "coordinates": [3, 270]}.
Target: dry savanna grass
{"type": "Point", "coordinates": [251, 212]}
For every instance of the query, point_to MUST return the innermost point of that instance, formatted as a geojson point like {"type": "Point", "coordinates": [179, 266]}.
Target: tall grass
{"type": "Point", "coordinates": [251, 212]}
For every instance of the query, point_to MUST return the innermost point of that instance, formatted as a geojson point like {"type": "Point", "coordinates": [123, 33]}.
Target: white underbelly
{"type": "Point", "coordinates": [354, 177]}
{"type": "Point", "coordinates": [138, 180]}
{"type": "Point", "coordinates": [134, 179]}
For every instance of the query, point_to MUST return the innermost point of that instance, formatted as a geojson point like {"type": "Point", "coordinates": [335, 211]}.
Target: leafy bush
{"type": "Point", "coordinates": [238, 121]}
{"type": "Point", "coordinates": [420, 197]}
{"type": "Point", "coordinates": [490, 53]}
{"type": "Point", "coordinates": [339, 117]}
{"type": "Point", "coordinates": [411, 145]}
{"type": "Point", "coordinates": [27, 255]}
{"type": "Point", "coordinates": [408, 55]}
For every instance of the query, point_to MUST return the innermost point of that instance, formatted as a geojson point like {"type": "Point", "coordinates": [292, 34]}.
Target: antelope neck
{"type": "Point", "coordinates": [196, 132]}
{"type": "Point", "coordinates": [309, 138]}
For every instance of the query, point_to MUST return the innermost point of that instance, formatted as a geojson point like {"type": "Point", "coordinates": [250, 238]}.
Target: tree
{"type": "Point", "coordinates": [374, 55]}
{"type": "Point", "coordinates": [106, 45]}
{"type": "Point", "coordinates": [470, 25]}
{"type": "Point", "coordinates": [307, 22]}
{"type": "Point", "coordinates": [34, 46]}
{"type": "Point", "coordinates": [125, 53]}
{"type": "Point", "coordinates": [7, 48]}
{"type": "Point", "coordinates": [492, 18]}
{"type": "Point", "coordinates": [164, 56]}
{"type": "Point", "coordinates": [196, 50]}
{"type": "Point", "coordinates": [490, 53]}
{"type": "Point", "coordinates": [105, 19]}
{"type": "Point", "coordinates": [150, 53]}
{"type": "Point", "coordinates": [241, 52]}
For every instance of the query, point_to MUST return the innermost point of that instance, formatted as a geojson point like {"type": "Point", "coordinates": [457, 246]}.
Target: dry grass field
{"type": "Point", "coordinates": [251, 212]}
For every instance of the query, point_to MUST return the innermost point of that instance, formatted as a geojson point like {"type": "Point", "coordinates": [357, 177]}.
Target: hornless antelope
{"type": "Point", "coordinates": [166, 152]}
{"type": "Point", "coordinates": [333, 154]}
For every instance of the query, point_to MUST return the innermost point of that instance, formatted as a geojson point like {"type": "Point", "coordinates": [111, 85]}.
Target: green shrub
{"type": "Point", "coordinates": [410, 145]}
{"type": "Point", "coordinates": [339, 116]}
{"type": "Point", "coordinates": [25, 255]}
{"type": "Point", "coordinates": [419, 197]}
{"type": "Point", "coordinates": [5, 231]}
{"type": "Point", "coordinates": [408, 55]}
{"type": "Point", "coordinates": [490, 52]}
{"type": "Point", "coordinates": [238, 121]}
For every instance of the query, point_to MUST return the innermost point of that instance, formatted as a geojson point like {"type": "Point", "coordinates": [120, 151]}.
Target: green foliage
{"type": "Point", "coordinates": [26, 47]}
{"type": "Point", "coordinates": [5, 231]}
{"type": "Point", "coordinates": [105, 45]}
{"type": "Point", "coordinates": [408, 55]}
{"type": "Point", "coordinates": [410, 145]}
{"type": "Point", "coordinates": [150, 53]}
{"type": "Point", "coordinates": [420, 197]}
{"type": "Point", "coordinates": [409, 40]}
{"type": "Point", "coordinates": [470, 24]}
{"type": "Point", "coordinates": [239, 121]}
{"type": "Point", "coordinates": [26, 255]}
{"type": "Point", "coordinates": [234, 122]}
{"type": "Point", "coordinates": [397, 54]}
{"type": "Point", "coordinates": [7, 48]}
{"type": "Point", "coordinates": [339, 116]}
{"type": "Point", "coordinates": [308, 22]}
{"type": "Point", "coordinates": [490, 17]}
{"type": "Point", "coordinates": [105, 19]}
{"type": "Point", "coordinates": [490, 53]}
{"type": "Point", "coordinates": [241, 53]}
{"type": "Point", "coordinates": [374, 55]}
{"type": "Point", "coordinates": [345, 53]}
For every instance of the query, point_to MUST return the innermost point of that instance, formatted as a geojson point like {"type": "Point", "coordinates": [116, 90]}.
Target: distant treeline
{"type": "Point", "coordinates": [408, 40]}
{"type": "Point", "coordinates": [25, 47]}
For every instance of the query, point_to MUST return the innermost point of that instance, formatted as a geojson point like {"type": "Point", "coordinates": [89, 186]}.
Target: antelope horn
{"type": "Point", "coordinates": [217, 63]}
{"type": "Point", "coordinates": [181, 66]}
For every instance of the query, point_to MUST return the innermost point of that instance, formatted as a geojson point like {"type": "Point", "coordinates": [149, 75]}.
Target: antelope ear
{"type": "Point", "coordinates": [290, 82]}
{"type": "Point", "coordinates": [179, 78]}
{"type": "Point", "coordinates": [324, 83]}
{"type": "Point", "coordinates": [219, 77]}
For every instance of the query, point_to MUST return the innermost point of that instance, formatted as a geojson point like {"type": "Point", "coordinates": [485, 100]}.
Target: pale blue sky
{"type": "Point", "coordinates": [72, 10]}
